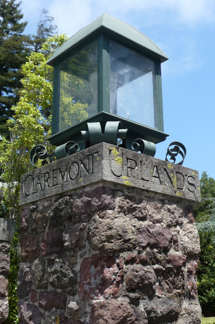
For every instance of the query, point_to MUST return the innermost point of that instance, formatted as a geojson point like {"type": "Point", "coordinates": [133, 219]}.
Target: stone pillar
{"type": "Point", "coordinates": [6, 235]}
{"type": "Point", "coordinates": [108, 236]}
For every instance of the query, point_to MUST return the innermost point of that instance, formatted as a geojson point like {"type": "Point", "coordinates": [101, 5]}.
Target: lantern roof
{"type": "Point", "coordinates": [116, 29]}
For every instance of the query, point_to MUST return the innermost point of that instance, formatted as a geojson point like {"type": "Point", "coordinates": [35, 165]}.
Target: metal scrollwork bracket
{"type": "Point", "coordinates": [66, 149]}
{"type": "Point", "coordinates": [140, 145]}
{"type": "Point", "coordinates": [177, 149]}
{"type": "Point", "coordinates": [40, 152]}
{"type": "Point", "coordinates": [112, 132]}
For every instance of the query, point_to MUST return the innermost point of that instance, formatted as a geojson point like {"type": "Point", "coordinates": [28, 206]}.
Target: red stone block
{"type": "Point", "coordinates": [34, 296]}
{"type": "Point", "coordinates": [99, 278]}
{"type": "Point", "coordinates": [52, 242]}
{"type": "Point", "coordinates": [176, 260]}
{"type": "Point", "coordinates": [51, 299]}
{"type": "Point", "coordinates": [30, 249]}
{"type": "Point", "coordinates": [113, 311]}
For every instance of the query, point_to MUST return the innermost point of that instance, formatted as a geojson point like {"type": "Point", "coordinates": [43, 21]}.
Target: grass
{"type": "Point", "coordinates": [208, 320]}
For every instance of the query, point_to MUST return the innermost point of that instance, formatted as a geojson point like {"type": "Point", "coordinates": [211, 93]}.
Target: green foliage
{"type": "Point", "coordinates": [14, 47]}
{"type": "Point", "coordinates": [206, 272]}
{"type": "Point", "coordinates": [206, 227]}
{"type": "Point", "coordinates": [208, 320]}
{"type": "Point", "coordinates": [31, 121]}
{"type": "Point", "coordinates": [206, 223]}
{"type": "Point", "coordinates": [207, 185]}
{"type": "Point", "coordinates": [12, 278]}
{"type": "Point", "coordinates": [30, 126]}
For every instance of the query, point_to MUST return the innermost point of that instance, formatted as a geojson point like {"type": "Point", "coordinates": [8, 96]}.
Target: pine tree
{"type": "Point", "coordinates": [14, 48]}
{"type": "Point", "coordinates": [28, 127]}
{"type": "Point", "coordinates": [45, 29]}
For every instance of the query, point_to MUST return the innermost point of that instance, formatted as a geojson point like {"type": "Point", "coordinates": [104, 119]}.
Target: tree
{"type": "Point", "coordinates": [31, 121]}
{"type": "Point", "coordinates": [206, 227]}
{"type": "Point", "coordinates": [45, 29]}
{"type": "Point", "coordinates": [14, 47]}
{"type": "Point", "coordinates": [207, 185]}
{"type": "Point", "coordinates": [28, 127]}
{"type": "Point", "coordinates": [206, 273]}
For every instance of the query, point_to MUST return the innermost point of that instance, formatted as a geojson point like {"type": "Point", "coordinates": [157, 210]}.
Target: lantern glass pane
{"type": "Point", "coordinates": [132, 85]}
{"type": "Point", "coordinates": [78, 87]}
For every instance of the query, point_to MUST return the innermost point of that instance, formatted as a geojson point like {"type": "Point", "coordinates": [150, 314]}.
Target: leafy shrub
{"type": "Point", "coordinates": [12, 278]}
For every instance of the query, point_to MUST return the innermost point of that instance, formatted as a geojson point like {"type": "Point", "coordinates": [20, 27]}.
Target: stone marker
{"type": "Point", "coordinates": [7, 229]}
{"type": "Point", "coordinates": [112, 164]}
{"type": "Point", "coordinates": [108, 236]}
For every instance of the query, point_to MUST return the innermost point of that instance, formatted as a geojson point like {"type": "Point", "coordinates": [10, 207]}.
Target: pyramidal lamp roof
{"type": "Point", "coordinates": [114, 28]}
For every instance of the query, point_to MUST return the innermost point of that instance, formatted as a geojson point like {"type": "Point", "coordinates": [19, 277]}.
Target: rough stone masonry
{"type": "Point", "coordinates": [108, 236]}
{"type": "Point", "coordinates": [6, 235]}
{"type": "Point", "coordinates": [4, 271]}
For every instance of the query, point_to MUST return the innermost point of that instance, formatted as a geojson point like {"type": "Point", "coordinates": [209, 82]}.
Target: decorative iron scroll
{"type": "Point", "coordinates": [66, 149]}
{"type": "Point", "coordinates": [177, 149]}
{"type": "Point", "coordinates": [112, 132]}
{"type": "Point", "coordinates": [39, 152]}
{"type": "Point", "coordinates": [3, 210]}
{"type": "Point", "coordinates": [140, 145]}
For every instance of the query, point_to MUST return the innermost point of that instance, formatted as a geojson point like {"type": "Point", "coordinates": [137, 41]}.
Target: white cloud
{"type": "Point", "coordinates": [186, 11]}
{"type": "Point", "coordinates": [157, 17]}
{"type": "Point", "coordinates": [71, 15]}
{"type": "Point", "coordinates": [195, 11]}
{"type": "Point", "coordinates": [183, 60]}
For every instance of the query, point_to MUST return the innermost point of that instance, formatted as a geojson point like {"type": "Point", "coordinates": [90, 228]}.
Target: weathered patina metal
{"type": "Point", "coordinates": [177, 149]}
{"type": "Point", "coordinates": [112, 132]}
{"type": "Point", "coordinates": [40, 152]}
{"type": "Point", "coordinates": [110, 57]}
{"type": "Point", "coordinates": [135, 130]}
{"type": "Point", "coordinates": [66, 149]}
{"type": "Point", "coordinates": [115, 28]}
{"type": "Point", "coordinates": [139, 145]}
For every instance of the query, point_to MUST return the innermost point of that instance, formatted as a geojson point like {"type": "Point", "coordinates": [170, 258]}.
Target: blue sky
{"type": "Point", "coordinates": [185, 31]}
